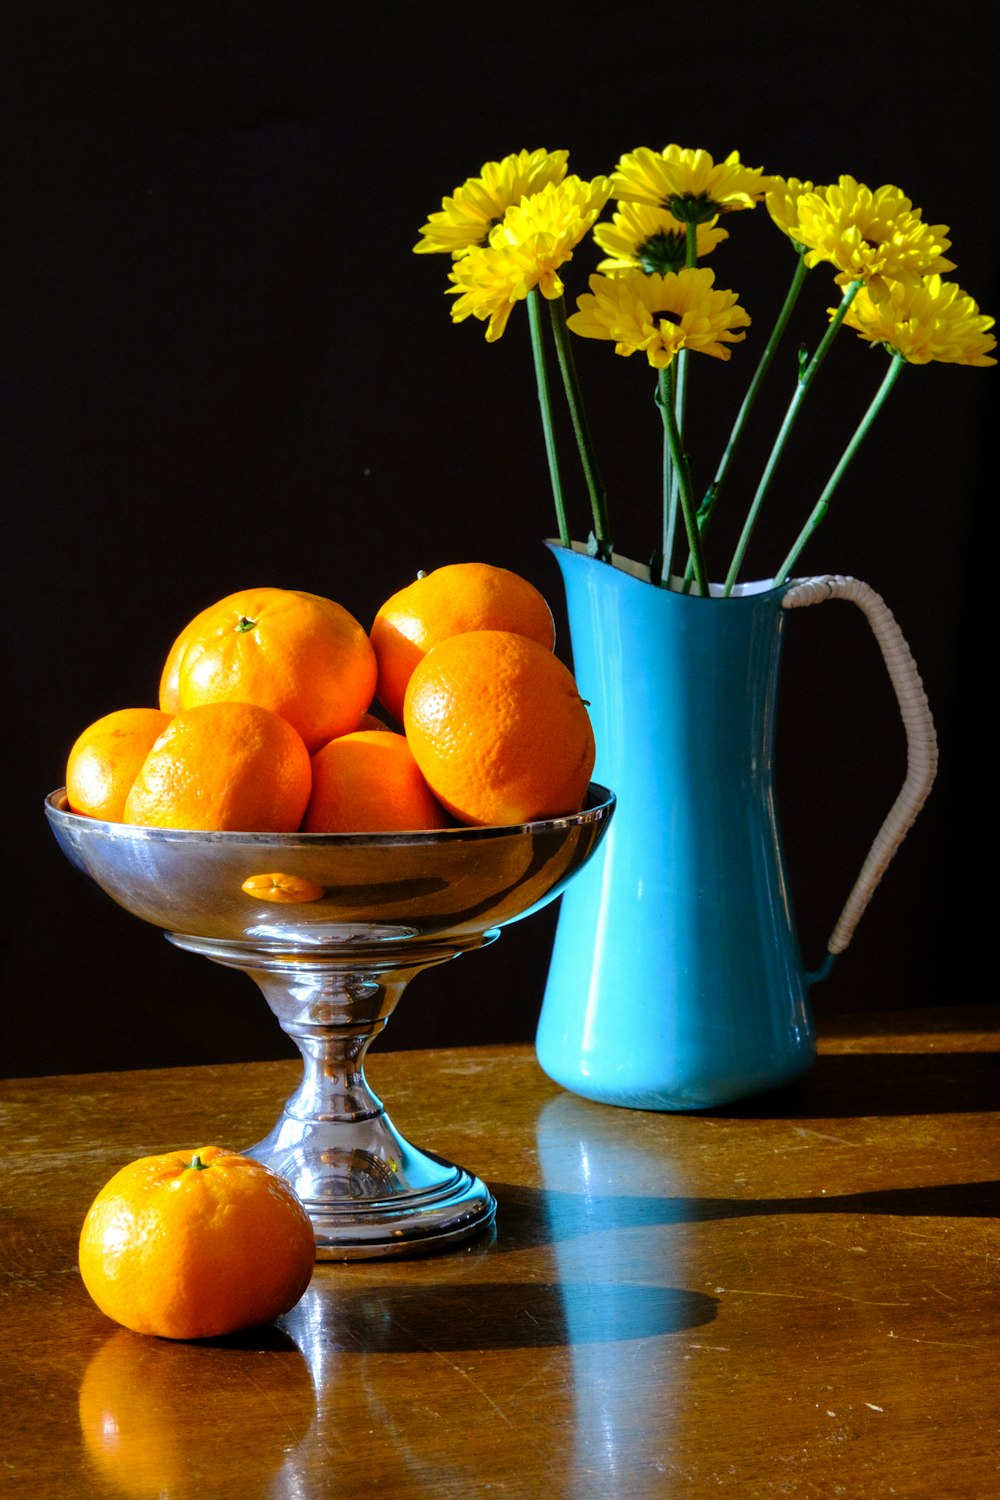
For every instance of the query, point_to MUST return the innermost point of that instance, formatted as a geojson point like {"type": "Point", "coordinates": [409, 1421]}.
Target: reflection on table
{"type": "Point", "coordinates": [793, 1297]}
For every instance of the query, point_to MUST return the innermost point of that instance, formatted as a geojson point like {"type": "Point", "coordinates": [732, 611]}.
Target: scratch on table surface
{"type": "Point", "coordinates": [537, 1374]}
{"type": "Point", "coordinates": [823, 1135]}
{"type": "Point", "coordinates": [749, 1291]}
{"type": "Point", "coordinates": [753, 1292]}
{"type": "Point", "coordinates": [424, 1344]}
{"type": "Point", "coordinates": [909, 1338]}
{"type": "Point", "coordinates": [476, 1387]}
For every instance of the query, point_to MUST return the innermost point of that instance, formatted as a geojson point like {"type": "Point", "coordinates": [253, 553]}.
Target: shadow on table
{"type": "Point", "coordinates": [850, 1085]}
{"type": "Point", "coordinates": [528, 1217]}
{"type": "Point", "coordinates": [488, 1315]}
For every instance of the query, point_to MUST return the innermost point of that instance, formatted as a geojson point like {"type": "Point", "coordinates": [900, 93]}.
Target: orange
{"type": "Point", "coordinates": [450, 601]}
{"type": "Point", "coordinates": [106, 758]}
{"type": "Point", "coordinates": [170, 699]}
{"type": "Point", "coordinates": [499, 730]}
{"type": "Point", "coordinates": [298, 654]}
{"type": "Point", "coordinates": [369, 783]}
{"type": "Point", "coordinates": [194, 1244]}
{"type": "Point", "coordinates": [223, 765]}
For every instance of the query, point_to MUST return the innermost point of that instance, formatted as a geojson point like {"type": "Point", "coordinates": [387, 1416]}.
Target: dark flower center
{"type": "Point", "coordinates": [663, 252]}
{"type": "Point", "coordinates": [694, 208]}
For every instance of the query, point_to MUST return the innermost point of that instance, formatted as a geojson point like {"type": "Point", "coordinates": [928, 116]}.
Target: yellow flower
{"type": "Point", "coordinates": [782, 202]}
{"type": "Point", "coordinates": [689, 183]}
{"type": "Point", "coordinates": [650, 239]}
{"type": "Point", "coordinates": [468, 216]}
{"type": "Point", "coordinates": [871, 237]}
{"type": "Point", "coordinates": [525, 251]}
{"type": "Point", "coordinates": [488, 282]}
{"type": "Point", "coordinates": [660, 315]}
{"type": "Point", "coordinates": [923, 321]}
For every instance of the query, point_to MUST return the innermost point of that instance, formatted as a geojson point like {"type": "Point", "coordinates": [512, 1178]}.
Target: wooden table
{"type": "Point", "coordinates": [792, 1298]}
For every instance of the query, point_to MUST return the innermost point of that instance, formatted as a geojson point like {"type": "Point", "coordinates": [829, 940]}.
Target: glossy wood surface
{"type": "Point", "coordinates": [796, 1297]}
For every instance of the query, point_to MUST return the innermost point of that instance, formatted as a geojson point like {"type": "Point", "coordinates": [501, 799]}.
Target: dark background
{"type": "Point", "coordinates": [224, 367]}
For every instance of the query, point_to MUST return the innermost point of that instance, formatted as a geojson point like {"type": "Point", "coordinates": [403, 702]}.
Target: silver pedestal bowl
{"type": "Point", "coordinates": [332, 927]}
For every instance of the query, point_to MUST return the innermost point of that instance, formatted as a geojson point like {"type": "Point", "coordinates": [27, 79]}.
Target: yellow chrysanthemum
{"type": "Point", "coordinates": [525, 251]}
{"type": "Point", "coordinates": [782, 203]}
{"type": "Point", "coordinates": [640, 238]}
{"type": "Point", "coordinates": [488, 282]}
{"type": "Point", "coordinates": [468, 216]}
{"type": "Point", "coordinates": [870, 237]}
{"type": "Point", "coordinates": [661, 315]}
{"type": "Point", "coordinates": [688, 183]}
{"type": "Point", "coordinates": [923, 321]}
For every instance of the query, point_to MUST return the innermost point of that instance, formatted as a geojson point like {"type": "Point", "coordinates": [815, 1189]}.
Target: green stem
{"type": "Point", "coordinates": [584, 442]}
{"type": "Point", "coordinates": [805, 380]}
{"type": "Point", "coordinates": [690, 243]}
{"type": "Point", "coordinates": [665, 391]}
{"type": "Point", "coordinates": [669, 489]}
{"type": "Point", "coordinates": [764, 364]}
{"type": "Point", "coordinates": [681, 382]}
{"type": "Point", "coordinates": [669, 414]}
{"type": "Point", "coordinates": [822, 505]}
{"type": "Point", "coordinates": [679, 387]}
{"type": "Point", "coordinates": [545, 407]}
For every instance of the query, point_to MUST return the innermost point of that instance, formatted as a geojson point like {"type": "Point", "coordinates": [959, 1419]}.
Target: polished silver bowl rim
{"type": "Point", "coordinates": [600, 801]}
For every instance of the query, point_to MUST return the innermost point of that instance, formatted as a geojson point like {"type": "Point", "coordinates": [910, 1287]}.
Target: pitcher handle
{"type": "Point", "coordinates": [921, 739]}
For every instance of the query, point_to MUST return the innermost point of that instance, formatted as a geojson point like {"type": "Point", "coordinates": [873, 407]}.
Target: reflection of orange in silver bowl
{"type": "Point", "coordinates": [137, 1392]}
{"type": "Point", "coordinates": [288, 890]}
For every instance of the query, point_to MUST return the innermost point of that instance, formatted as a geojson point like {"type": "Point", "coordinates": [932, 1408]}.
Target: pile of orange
{"type": "Point", "coordinates": [264, 725]}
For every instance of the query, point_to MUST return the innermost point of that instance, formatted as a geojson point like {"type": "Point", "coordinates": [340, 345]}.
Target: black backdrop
{"type": "Point", "coordinates": [224, 367]}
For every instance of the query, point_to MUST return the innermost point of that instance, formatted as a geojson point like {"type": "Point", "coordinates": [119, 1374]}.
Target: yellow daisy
{"type": "Point", "coordinates": [874, 237]}
{"type": "Point", "coordinates": [467, 217]}
{"type": "Point", "coordinates": [923, 321]}
{"type": "Point", "coordinates": [650, 239]}
{"type": "Point", "coordinates": [661, 315]}
{"type": "Point", "coordinates": [782, 203]}
{"type": "Point", "coordinates": [688, 183]}
{"type": "Point", "coordinates": [525, 251]}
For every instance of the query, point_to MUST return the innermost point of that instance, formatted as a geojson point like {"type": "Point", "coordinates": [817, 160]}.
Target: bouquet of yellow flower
{"type": "Point", "coordinates": [510, 230]}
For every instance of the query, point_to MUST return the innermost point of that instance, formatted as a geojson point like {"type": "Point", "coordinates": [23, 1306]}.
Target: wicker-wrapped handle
{"type": "Point", "coordinates": [921, 739]}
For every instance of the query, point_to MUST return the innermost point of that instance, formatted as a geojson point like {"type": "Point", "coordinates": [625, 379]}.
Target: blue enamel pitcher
{"type": "Point", "coordinates": [676, 980]}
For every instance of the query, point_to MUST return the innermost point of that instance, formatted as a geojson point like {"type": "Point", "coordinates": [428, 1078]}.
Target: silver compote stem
{"type": "Point", "coordinates": [332, 927]}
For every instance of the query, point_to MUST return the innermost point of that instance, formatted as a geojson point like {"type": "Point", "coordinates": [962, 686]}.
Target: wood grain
{"type": "Point", "coordinates": [796, 1297]}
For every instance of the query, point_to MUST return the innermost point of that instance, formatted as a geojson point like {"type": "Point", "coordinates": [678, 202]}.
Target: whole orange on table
{"type": "Point", "coordinates": [450, 601]}
{"type": "Point", "coordinates": [498, 728]}
{"type": "Point", "coordinates": [191, 1245]}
